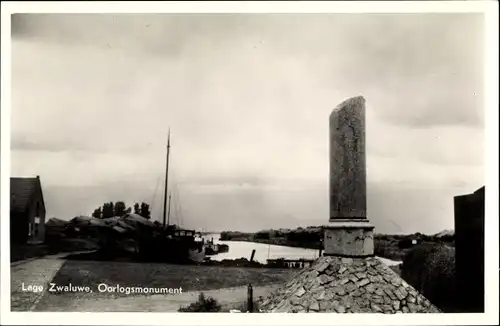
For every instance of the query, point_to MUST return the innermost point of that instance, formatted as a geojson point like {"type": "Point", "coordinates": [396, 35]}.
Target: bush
{"type": "Point", "coordinates": [388, 249]}
{"type": "Point", "coordinates": [202, 305]}
{"type": "Point", "coordinates": [405, 243]}
{"type": "Point", "coordinates": [447, 238]}
{"type": "Point", "coordinates": [430, 269]}
{"type": "Point", "coordinates": [262, 235]}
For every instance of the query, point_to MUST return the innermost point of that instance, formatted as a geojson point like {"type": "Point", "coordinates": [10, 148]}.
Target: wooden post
{"type": "Point", "coordinates": [253, 254]}
{"type": "Point", "coordinates": [166, 183]}
{"type": "Point", "coordinates": [250, 298]}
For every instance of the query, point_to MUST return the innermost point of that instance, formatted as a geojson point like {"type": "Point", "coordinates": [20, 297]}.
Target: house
{"type": "Point", "coordinates": [27, 211]}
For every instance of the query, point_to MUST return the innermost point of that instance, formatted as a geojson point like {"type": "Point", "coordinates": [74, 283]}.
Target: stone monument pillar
{"type": "Point", "coordinates": [348, 233]}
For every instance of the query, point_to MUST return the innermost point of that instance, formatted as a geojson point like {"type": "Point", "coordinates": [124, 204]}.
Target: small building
{"type": "Point", "coordinates": [27, 211]}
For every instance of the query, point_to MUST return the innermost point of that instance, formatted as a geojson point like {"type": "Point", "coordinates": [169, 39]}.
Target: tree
{"type": "Point", "coordinates": [262, 235]}
{"type": "Point", "coordinates": [145, 212]}
{"type": "Point", "coordinates": [120, 208]}
{"type": "Point", "coordinates": [107, 210]}
{"type": "Point", "coordinates": [97, 213]}
{"type": "Point", "coordinates": [137, 209]}
{"type": "Point", "coordinates": [430, 269]}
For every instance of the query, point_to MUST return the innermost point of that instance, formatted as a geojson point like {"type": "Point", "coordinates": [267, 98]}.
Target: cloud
{"type": "Point", "coordinates": [247, 99]}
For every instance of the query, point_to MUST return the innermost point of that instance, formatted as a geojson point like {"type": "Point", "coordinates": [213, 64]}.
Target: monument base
{"type": "Point", "coordinates": [348, 238]}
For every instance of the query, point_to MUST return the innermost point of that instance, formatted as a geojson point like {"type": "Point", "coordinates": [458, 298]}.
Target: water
{"type": "Point", "coordinates": [243, 249]}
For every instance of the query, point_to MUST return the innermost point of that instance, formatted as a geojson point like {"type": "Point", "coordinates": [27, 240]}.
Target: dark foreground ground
{"type": "Point", "coordinates": [188, 277]}
{"type": "Point", "coordinates": [227, 284]}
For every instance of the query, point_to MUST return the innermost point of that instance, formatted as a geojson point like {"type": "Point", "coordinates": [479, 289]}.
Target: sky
{"type": "Point", "coordinates": [247, 99]}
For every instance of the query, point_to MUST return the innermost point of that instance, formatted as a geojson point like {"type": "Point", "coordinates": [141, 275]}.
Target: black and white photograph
{"type": "Point", "coordinates": [235, 162]}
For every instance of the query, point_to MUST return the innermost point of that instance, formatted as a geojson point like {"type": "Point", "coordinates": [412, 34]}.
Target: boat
{"type": "Point", "coordinates": [179, 240]}
{"type": "Point", "coordinates": [212, 248]}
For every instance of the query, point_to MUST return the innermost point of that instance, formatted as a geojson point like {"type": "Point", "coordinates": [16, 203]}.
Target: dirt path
{"type": "Point", "coordinates": [227, 298]}
{"type": "Point", "coordinates": [38, 273]}
{"type": "Point", "coordinates": [226, 285]}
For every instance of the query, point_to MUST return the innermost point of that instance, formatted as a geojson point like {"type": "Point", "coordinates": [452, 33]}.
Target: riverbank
{"type": "Point", "coordinates": [393, 247]}
{"type": "Point", "coordinates": [100, 256]}
{"type": "Point", "coordinates": [278, 242]}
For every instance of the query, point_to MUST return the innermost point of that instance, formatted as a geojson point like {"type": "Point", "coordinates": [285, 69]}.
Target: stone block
{"type": "Point", "coordinates": [346, 238]}
{"type": "Point", "coordinates": [363, 282]}
{"type": "Point", "coordinates": [300, 292]}
{"type": "Point", "coordinates": [314, 306]}
{"type": "Point", "coordinates": [347, 149]}
{"type": "Point", "coordinates": [325, 279]}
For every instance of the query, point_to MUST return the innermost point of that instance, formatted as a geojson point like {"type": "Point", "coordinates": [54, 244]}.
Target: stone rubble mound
{"type": "Point", "coordinates": [120, 233]}
{"type": "Point", "coordinates": [347, 285]}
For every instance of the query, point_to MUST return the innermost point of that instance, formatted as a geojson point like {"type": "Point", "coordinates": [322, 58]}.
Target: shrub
{"type": "Point", "coordinates": [203, 304]}
{"type": "Point", "coordinates": [388, 249]}
{"type": "Point", "coordinates": [405, 243]}
{"type": "Point", "coordinates": [447, 238]}
{"type": "Point", "coordinates": [262, 235]}
{"type": "Point", "coordinates": [430, 269]}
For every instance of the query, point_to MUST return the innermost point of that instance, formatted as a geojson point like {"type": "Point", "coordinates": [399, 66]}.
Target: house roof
{"type": "Point", "coordinates": [347, 285]}
{"type": "Point", "coordinates": [21, 191]}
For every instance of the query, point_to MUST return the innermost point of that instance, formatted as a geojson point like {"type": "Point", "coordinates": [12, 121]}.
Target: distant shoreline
{"type": "Point", "coordinates": [393, 247]}
{"type": "Point", "coordinates": [274, 242]}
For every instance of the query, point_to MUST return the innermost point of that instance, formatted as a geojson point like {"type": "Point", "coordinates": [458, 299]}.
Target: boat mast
{"type": "Point", "coordinates": [169, 205]}
{"type": "Point", "coordinates": [166, 182]}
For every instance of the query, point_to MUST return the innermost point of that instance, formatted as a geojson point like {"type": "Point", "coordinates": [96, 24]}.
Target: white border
{"type": "Point", "coordinates": [490, 8]}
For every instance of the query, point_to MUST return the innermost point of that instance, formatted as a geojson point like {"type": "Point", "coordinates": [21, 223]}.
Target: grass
{"type": "Point", "coordinates": [243, 307]}
{"type": "Point", "coordinates": [388, 248]}
{"type": "Point", "coordinates": [189, 278]}
{"type": "Point", "coordinates": [203, 304]}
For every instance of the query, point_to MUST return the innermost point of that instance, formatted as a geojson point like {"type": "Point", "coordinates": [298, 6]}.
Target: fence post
{"type": "Point", "coordinates": [250, 298]}
{"type": "Point", "coordinates": [253, 254]}
{"type": "Point", "coordinates": [320, 247]}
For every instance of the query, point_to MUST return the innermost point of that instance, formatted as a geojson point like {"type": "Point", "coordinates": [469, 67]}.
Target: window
{"type": "Point", "coordinates": [37, 208]}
